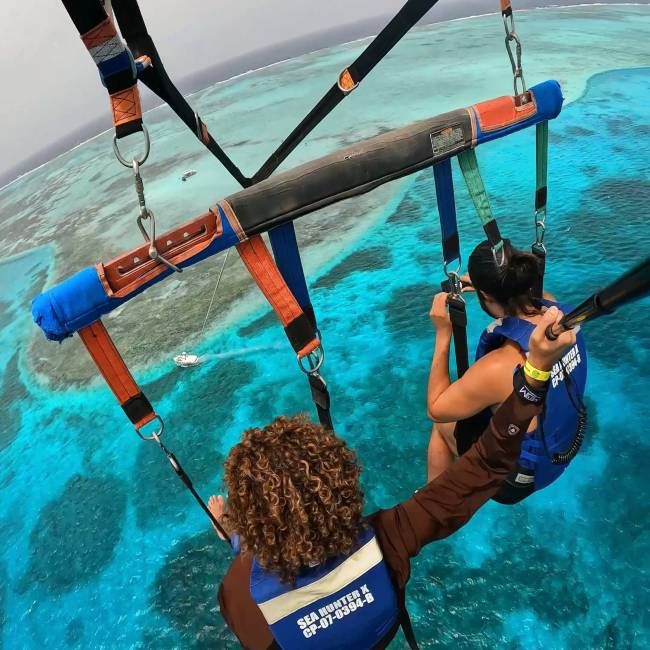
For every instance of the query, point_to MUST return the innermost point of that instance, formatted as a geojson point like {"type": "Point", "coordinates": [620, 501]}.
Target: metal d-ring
{"type": "Point", "coordinates": [456, 271]}
{"type": "Point", "coordinates": [140, 161]}
{"type": "Point", "coordinates": [315, 359]}
{"type": "Point", "coordinates": [156, 435]}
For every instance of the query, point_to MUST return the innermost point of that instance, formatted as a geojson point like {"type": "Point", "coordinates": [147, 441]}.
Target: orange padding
{"type": "Point", "coordinates": [99, 35]}
{"type": "Point", "coordinates": [261, 266]}
{"type": "Point", "coordinates": [505, 5]}
{"type": "Point", "coordinates": [503, 111]}
{"type": "Point", "coordinates": [111, 365]}
{"type": "Point", "coordinates": [346, 82]}
{"type": "Point", "coordinates": [125, 105]}
{"type": "Point", "coordinates": [264, 271]}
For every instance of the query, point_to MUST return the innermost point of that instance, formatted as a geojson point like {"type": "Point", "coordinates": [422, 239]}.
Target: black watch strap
{"type": "Point", "coordinates": [524, 391]}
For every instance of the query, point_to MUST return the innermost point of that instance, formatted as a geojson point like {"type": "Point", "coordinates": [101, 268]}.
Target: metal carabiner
{"type": "Point", "coordinates": [456, 285]}
{"type": "Point", "coordinates": [146, 214]}
{"type": "Point", "coordinates": [540, 229]}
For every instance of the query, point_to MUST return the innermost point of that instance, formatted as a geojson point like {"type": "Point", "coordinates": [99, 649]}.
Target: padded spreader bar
{"type": "Point", "coordinates": [363, 167]}
{"type": "Point", "coordinates": [87, 296]}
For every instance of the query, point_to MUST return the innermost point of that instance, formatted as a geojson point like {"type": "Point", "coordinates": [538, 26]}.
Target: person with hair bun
{"type": "Point", "coordinates": [506, 293]}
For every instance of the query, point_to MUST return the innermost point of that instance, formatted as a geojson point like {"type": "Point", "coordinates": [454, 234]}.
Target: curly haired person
{"type": "Point", "coordinates": [311, 571]}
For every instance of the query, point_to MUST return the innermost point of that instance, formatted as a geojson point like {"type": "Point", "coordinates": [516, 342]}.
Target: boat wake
{"type": "Point", "coordinates": [187, 360]}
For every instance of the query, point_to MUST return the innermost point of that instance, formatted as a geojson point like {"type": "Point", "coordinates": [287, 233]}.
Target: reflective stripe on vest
{"type": "Point", "coordinates": [561, 417]}
{"type": "Point", "coordinates": [347, 602]}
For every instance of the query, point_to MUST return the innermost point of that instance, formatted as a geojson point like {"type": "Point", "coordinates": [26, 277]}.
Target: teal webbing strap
{"type": "Point", "coordinates": [472, 175]}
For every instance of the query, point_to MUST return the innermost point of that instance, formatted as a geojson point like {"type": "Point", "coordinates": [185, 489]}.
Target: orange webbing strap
{"type": "Point", "coordinates": [262, 267]}
{"type": "Point", "coordinates": [112, 367]}
{"type": "Point", "coordinates": [506, 8]}
{"type": "Point", "coordinates": [100, 35]}
{"type": "Point", "coordinates": [297, 325]}
{"type": "Point", "coordinates": [125, 106]}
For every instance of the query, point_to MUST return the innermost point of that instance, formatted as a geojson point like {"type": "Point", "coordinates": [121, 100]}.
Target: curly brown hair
{"type": "Point", "coordinates": [293, 495]}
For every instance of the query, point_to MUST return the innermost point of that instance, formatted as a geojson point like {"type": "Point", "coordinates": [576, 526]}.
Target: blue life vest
{"type": "Point", "coordinates": [561, 416]}
{"type": "Point", "coordinates": [348, 602]}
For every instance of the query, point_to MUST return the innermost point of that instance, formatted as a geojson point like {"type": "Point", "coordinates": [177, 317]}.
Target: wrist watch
{"type": "Point", "coordinates": [524, 391]}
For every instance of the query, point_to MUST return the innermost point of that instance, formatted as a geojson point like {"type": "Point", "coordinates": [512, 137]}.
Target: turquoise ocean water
{"type": "Point", "coordinates": [100, 545]}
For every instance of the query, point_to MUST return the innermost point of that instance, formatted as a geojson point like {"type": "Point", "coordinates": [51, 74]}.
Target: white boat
{"type": "Point", "coordinates": [187, 360]}
{"type": "Point", "coordinates": [187, 174]}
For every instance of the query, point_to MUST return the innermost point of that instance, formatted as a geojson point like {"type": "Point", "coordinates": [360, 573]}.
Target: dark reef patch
{"type": "Point", "coordinates": [477, 600]}
{"type": "Point", "coordinates": [619, 125]}
{"type": "Point", "coordinates": [14, 398]}
{"type": "Point", "coordinates": [75, 535]}
{"type": "Point", "coordinates": [185, 592]}
{"type": "Point", "coordinates": [158, 388]}
{"type": "Point", "coordinates": [579, 131]}
{"type": "Point", "coordinates": [258, 325]}
{"type": "Point", "coordinates": [367, 259]}
{"type": "Point", "coordinates": [408, 211]}
{"type": "Point", "coordinates": [212, 400]}
{"type": "Point", "coordinates": [406, 312]}
{"type": "Point", "coordinates": [7, 314]}
{"type": "Point", "coordinates": [74, 632]}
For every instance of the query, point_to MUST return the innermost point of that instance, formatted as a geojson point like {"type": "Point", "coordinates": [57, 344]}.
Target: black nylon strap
{"type": "Point", "coordinates": [383, 43]}
{"type": "Point", "coordinates": [468, 430]}
{"type": "Point", "coordinates": [85, 14]}
{"type": "Point", "coordinates": [406, 624]}
{"type": "Point", "coordinates": [300, 332]}
{"type": "Point", "coordinates": [321, 398]}
{"type": "Point", "coordinates": [540, 254]}
{"type": "Point", "coordinates": [458, 317]}
{"type": "Point", "coordinates": [137, 408]}
{"type": "Point", "coordinates": [122, 130]}
{"type": "Point", "coordinates": [134, 31]}
{"type": "Point", "coordinates": [492, 233]}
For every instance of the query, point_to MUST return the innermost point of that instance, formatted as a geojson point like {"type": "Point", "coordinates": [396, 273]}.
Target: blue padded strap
{"type": "Point", "coordinates": [287, 257]}
{"type": "Point", "coordinates": [447, 210]}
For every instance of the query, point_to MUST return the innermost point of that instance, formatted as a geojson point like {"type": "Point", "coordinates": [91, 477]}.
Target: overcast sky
{"type": "Point", "coordinates": [50, 86]}
{"type": "Point", "coordinates": [51, 83]}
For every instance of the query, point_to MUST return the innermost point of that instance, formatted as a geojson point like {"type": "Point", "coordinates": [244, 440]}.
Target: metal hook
{"type": "Point", "coordinates": [146, 214]}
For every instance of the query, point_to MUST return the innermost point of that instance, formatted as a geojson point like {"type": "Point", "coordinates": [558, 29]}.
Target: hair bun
{"type": "Point", "coordinates": [521, 273]}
